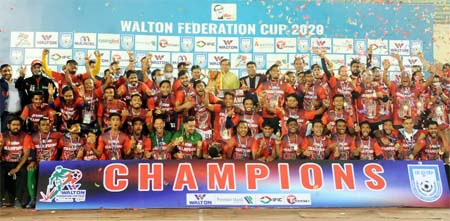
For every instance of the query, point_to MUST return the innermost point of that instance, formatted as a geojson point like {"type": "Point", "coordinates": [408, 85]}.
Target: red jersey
{"type": "Point", "coordinates": [60, 78]}
{"type": "Point", "coordinates": [180, 95]}
{"type": "Point", "coordinates": [118, 81]}
{"type": "Point", "coordinates": [345, 88]}
{"type": "Point", "coordinates": [302, 116]}
{"type": "Point", "coordinates": [106, 108]}
{"type": "Point", "coordinates": [345, 145]}
{"type": "Point", "coordinates": [142, 144]}
{"type": "Point", "coordinates": [177, 85]}
{"type": "Point", "coordinates": [46, 145]}
{"type": "Point", "coordinates": [90, 107]}
{"type": "Point", "coordinates": [113, 146]}
{"type": "Point", "coordinates": [34, 114]}
{"type": "Point", "coordinates": [276, 92]}
{"type": "Point", "coordinates": [69, 111]}
{"type": "Point", "coordinates": [267, 149]}
{"type": "Point", "coordinates": [313, 93]}
{"type": "Point", "coordinates": [389, 150]}
{"type": "Point", "coordinates": [126, 90]}
{"type": "Point", "coordinates": [367, 103]}
{"type": "Point", "coordinates": [317, 147]}
{"type": "Point", "coordinates": [290, 145]}
{"type": "Point", "coordinates": [240, 147]}
{"type": "Point", "coordinates": [166, 104]}
{"type": "Point", "coordinates": [221, 133]}
{"type": "Point", "coordinates": [332, 115]}
{"type": "Point", "coordinates": [369, 148]}
{"type": "Point", "coordinates": [88, 153]}
{"type": "Point", "coordinates": [439, 111]}
{"type": "Point", "coordinates": [201, 113]}
{"type": "Point", "coordinates": [142, 113]}
{"type": "Point", "coordinates": [14, 146]}
{"type": "Point", "coordinates": [70, 147]}
{"type": "Point", "coordinates": [430, 148]}
{"type": "Point", "coordinates": [405, 103]}
{"type": "Point", "coordinates": [254, 121]}
{"type": "Point", "coordinates": [385, 108]}
{"type": "Point", "coordinates": [407, 142]}
{"type": "Point", "coordinates": [323, 83]}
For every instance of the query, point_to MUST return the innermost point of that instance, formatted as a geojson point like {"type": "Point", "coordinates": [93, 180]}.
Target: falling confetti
{"type": "Point", "coordinates": [289, 20]}
{"type": "Point", "coordinates": [352, 22]}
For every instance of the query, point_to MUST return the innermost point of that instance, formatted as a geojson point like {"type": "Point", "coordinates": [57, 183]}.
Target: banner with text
{"type": "Point", "coordinates": [208, 31]}
{"type": "Point", "coordinates": [200, 184]}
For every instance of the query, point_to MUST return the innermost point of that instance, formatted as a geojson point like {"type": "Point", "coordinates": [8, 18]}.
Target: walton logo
{"type": "Point", "coordinates": [46, 37]}
{"type": "Point", "coordinates": [320, 43]}
{"type": "Point", "coordinates": [158, 57]}
{"type": "Point", "coordinates": [200, 196]}
{"type": "Point", "coordinates": [63, 186]}
{"type": "Point", "coordinates": [227, 42]}
{"type": "Point", "coordinates": [218, 58]}
{"type": "Point", "coordinates": [412, 61]}
{"type": "Point", "coordinates": [399, 45]}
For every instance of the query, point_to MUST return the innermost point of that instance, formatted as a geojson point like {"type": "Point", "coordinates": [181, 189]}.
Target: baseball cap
{"type": "Point", "coordinates": [71, 62]}
{"type": "Point", "coordinates": [182, 64]}
{"type": "Point", "coordinates": [36, 62]}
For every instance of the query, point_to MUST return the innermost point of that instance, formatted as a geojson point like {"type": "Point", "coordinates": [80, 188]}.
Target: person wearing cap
{"type": "Point", "coordinates": [71, 67]}
{"type": "Point", "coordinates": [37, 82]}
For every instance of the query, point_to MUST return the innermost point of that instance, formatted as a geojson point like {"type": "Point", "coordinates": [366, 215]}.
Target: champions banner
{"type": "Point", "coordinates": [209, 184]}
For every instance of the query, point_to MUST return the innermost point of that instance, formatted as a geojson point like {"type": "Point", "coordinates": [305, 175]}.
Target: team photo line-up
{"type": "Point", "coordinates": [312, 114]}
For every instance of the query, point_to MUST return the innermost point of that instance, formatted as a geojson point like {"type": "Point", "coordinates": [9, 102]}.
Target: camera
{"type": "Point", "coordinates": [215, 150]}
